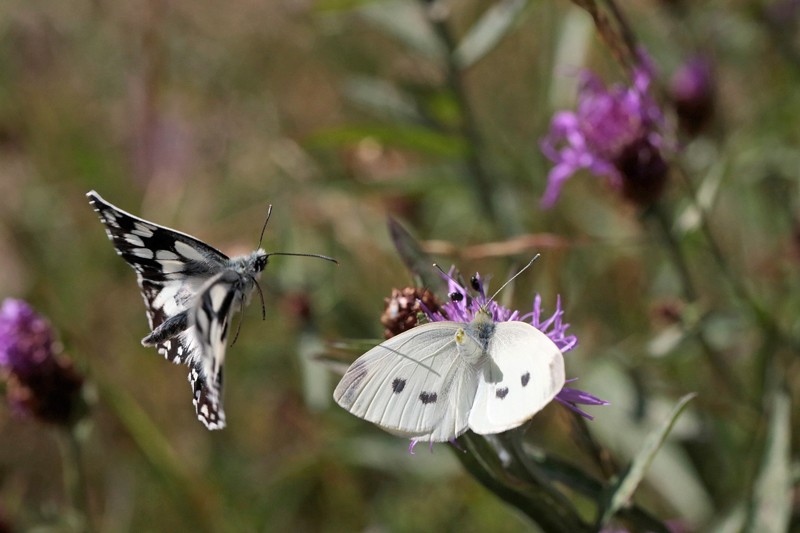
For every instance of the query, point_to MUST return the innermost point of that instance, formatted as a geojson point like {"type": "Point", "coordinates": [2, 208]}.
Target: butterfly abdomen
{"type": "Point", "coordinates": [168, 329]}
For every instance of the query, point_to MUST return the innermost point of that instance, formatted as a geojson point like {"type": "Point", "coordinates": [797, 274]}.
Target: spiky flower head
{"type": "Point", "coordinates": [40, 381]}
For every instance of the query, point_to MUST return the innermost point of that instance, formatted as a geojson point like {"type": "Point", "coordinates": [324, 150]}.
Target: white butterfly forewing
{"type": "Point", "coordinates": [523, 372]}
{"type": "Point", "coordinates": [414, 384]}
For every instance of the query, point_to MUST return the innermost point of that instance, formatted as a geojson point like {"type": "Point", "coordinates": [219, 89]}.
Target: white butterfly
{"type": "Point", "coordinates": [435, 381]}
{"type": "Point", "coordinates": [191, 291]}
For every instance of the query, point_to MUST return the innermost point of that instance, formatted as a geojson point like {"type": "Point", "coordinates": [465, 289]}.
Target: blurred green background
{"type": "Point", "coordinates": [197, 115]}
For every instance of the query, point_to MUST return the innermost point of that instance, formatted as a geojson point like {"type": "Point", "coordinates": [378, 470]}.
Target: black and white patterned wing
{"type": "Point", "coordinates": [209, 408]}
{"type": "Point", "coordinates": [209, 323]}
{"type": "Point", "coordinates": [171, 267]}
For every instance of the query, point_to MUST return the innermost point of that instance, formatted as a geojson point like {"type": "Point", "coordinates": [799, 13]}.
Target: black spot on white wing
{"type": "Point", "coordinates": [427, 397]}
{"type": "Point", "coordinates": [526, 377]}
{"type": "Point", "coordinates": [501, 392]}
{"type": "Point", "coordinates": [398, 385]}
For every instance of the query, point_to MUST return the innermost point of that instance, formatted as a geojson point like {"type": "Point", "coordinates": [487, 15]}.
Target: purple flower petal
{"type": "Point", "coordinates": [464, 307]}
{"type": "Point", "coordinates": [40, 381]}
{"type": "Point", "coordinates": [607, 120]}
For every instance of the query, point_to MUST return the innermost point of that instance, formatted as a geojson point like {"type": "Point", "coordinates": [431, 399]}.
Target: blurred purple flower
{"type": "Point", "coordinates": [462, 307]}
{"type": "Point", "coordinates": [610, 129]}
{"type": "Point", "coordinates": [692, 91]}
{"type": "Point", "coordinates": [40, 381]}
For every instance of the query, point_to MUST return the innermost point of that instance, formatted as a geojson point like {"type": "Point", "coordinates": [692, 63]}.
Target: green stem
{"type": "Point", "coordinates": [717, 362]}
{"type": "Point", "coordinates": [517, 486]}
{"type": "Point", "coordinates": [593, 449]}
{"type": "Point", "coordinates": [674, 249]}
{"type": "Point", "coordinates": [625, 29]}
{"type": "Point", "coordinates": [766, 321]}
{"type": "Point", "coordinates": [481, 183]}
{"type": "Point", "coordinates": [619, 40]}
{"type": "Point", "coordinates": [75, 483]}
{"type": "Point", "coordinates": [634, 516]}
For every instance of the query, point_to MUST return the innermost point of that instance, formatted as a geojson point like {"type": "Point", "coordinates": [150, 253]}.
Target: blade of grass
{"type": "Point", "coordinates": [622, 491]}
{"type": "Point", "coordinates": [189, 492]}
{"type": "Point", "coordinates": [488, 31]}
{"type": "Point", "coordinates": [771, 502]}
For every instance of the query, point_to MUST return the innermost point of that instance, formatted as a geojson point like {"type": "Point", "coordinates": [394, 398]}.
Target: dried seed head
{"type": "Point", "coordinates": [402, 308]}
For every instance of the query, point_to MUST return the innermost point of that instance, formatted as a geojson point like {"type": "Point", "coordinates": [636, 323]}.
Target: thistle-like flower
{"type": "Point", "coordinates": [615, 133]}
{"type": "Point", "coordinates": [462, 307]}
{"type": "Point", "coordinates": [40, 381]}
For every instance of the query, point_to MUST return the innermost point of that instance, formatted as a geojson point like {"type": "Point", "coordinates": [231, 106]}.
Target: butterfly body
{"type": "Point", "coordinates": [435, 381]}
{"type": "Point", "coordinates": [191, 291]}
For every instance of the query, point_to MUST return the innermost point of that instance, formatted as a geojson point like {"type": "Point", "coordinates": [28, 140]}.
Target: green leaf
{"type": "Point", "coordinates": [189, 491]}
{"type": "Point", "coordinates": [622, 491]}
{"type": "Point", "coordinates": [488, 32]}
{"type": "Point", "coordinates": [414, 257]}
{"type": "Point", "coordinates": [511, 481]}
{"type": "Point", "coordinates": [406, 22]}
{"type": "Point", "coordinates": [382, 98]}
{"type": "Point", "coordinates": [576, 479]}
{"type": "Point", "coordinates": [771, 503]}
{"type": "Point", "coordinates": [671, 474]}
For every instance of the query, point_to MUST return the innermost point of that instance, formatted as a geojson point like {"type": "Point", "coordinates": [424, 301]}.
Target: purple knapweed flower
{"type": "Point", "coordinates": [692, 92]}
{"type": "Point", "coordinates": [615, 133]}
{"type": "Point", "coordinates": [462, 307]}
{"type": "Point", "coordinates": [40, 381]}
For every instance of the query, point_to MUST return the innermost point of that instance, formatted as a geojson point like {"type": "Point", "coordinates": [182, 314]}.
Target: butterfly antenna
{"type": "Point", "coordinates": [523, 269]}
{"type": "Point", "coordinates": [448, 276]}
{"type": "Point", "coordinates": [318, 256]}
{"type": "Point", "coordinates": [269, 214]}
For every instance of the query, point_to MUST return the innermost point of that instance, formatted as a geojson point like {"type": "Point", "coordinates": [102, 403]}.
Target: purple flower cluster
{"type": "Point", "coordinates": [40, 382]}
{"type": "Point", "coordinates": [615, 133]}
{"type": "Point", "coordinates": [462, 308]}
{"type": "Point", "coordinates": [692, 92]}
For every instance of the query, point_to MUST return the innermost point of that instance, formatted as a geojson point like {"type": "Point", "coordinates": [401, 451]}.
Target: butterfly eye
{"type": "Point", "coordinates": [456, 296]}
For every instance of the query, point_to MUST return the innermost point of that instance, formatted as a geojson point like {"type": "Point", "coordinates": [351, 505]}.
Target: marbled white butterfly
{"type": "Point", "coordinates": [191, 291]}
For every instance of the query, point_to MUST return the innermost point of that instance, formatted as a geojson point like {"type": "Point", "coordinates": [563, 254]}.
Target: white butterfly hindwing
{"type": "Point", "coordinates": [435, 381]}
{"type": "Point", "coordinates": [190, 292]}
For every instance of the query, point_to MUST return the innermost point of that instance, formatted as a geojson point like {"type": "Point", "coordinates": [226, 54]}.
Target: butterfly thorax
{"type": "Point", "coordinates": [473, 341]}
{"type": "Point", "coordinates": [249, 265]}
{"type": "Point", "coordinates": [483, 326]}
